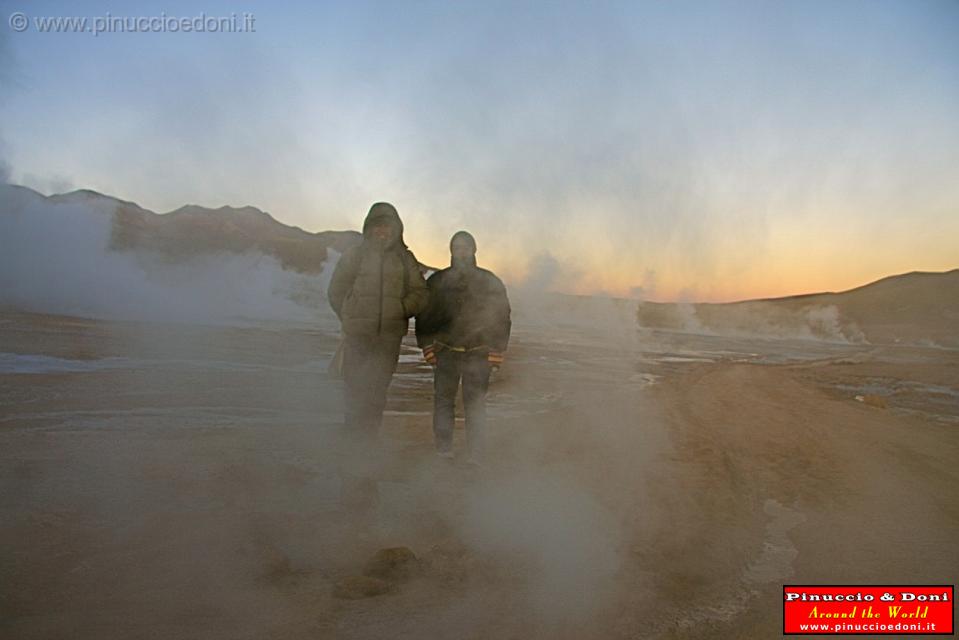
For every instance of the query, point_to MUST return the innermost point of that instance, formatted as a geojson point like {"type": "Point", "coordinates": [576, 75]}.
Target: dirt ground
{"type": "Point", "coordinates": [175, 481]}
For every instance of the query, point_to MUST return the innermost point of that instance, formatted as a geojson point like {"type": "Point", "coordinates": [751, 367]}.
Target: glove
{"type": "Point", "coordinates": [429, 354]}
{"type": "Point", "coordinates": [495, 359]}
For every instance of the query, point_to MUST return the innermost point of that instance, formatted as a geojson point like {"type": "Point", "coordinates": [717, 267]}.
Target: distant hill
{"type": "Point", "coordinates": [192, 230]}
{"type": "Point", "coordinates": [98, 254]}
{"type": "Point", "coordinates": [88, 254]}
{"type": "Point", "coordinates": [913, 308]}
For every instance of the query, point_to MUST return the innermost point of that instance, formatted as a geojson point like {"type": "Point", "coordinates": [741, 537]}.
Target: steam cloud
{"type": "Point", "coordinates": [55, 258]}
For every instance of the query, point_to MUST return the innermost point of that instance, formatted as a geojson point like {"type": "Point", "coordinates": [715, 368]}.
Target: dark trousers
{"type": "Point", "coordinates": [368, 367]}
{"type": "Point", "coordinates": [473, 368]}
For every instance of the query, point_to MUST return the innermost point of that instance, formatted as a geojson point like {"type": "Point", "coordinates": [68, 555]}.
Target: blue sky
{"type": "Point", "coordinates": [673, 150]}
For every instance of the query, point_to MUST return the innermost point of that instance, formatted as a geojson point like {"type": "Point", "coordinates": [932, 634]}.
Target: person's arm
{"type": "Point", "coordinates": [426, 320]}
{"type": "Point", "coordinates": [501, 324]}
{"type": "Point", "coordinates": [344, 275]}
{"type": "Point", "coordinates": [416, 297]}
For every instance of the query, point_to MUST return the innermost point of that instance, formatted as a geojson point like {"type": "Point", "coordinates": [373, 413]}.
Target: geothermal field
{"type": "Point", "coordinates": [183, 481]}
{"type": "Point", "coordinates": [729, 236]}
{"type": "Point", "coordinates": [173, 465]}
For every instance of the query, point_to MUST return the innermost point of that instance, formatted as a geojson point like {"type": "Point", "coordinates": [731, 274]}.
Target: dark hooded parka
{"type": "Point", "coordinates": [468, 307]}
{"type": "Point", "coordinates": [376, 287]}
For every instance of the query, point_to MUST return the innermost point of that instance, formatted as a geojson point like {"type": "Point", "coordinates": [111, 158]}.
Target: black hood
{"type": "Point", "coordinates": [469, 261]}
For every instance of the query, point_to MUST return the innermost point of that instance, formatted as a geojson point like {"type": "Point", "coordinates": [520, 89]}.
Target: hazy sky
{"type": "Point", "coordinates": [671, 150]}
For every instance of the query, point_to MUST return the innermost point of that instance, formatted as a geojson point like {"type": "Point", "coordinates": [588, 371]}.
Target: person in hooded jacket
{"type": "Point", "coordinates": [463, 333]}
{"type": "Point", "coordinates": [376, 288]}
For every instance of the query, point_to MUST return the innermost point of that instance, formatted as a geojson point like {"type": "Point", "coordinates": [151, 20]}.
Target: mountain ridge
{"type": "Point", "coordinates": [192, 230]}
{"type": "Point", "coordinates": [912, 307]}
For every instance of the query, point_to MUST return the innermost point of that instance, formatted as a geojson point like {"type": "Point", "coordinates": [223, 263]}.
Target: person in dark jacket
{"type": "Point", "coordinates": [376, 287]}
{"type": "Point", "coordinates": [463, 333]}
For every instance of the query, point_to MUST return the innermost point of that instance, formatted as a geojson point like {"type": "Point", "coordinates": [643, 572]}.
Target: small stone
{"type": "Point", "coordinates": [873, 401]}
{"type": "Point", "coordinates": [358, 587]}
{"type": "Point", "coordinates": [394, 563]}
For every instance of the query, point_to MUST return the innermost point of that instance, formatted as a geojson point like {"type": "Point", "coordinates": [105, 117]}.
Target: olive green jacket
{"type": "Point", "coordinates": [377, 287]}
